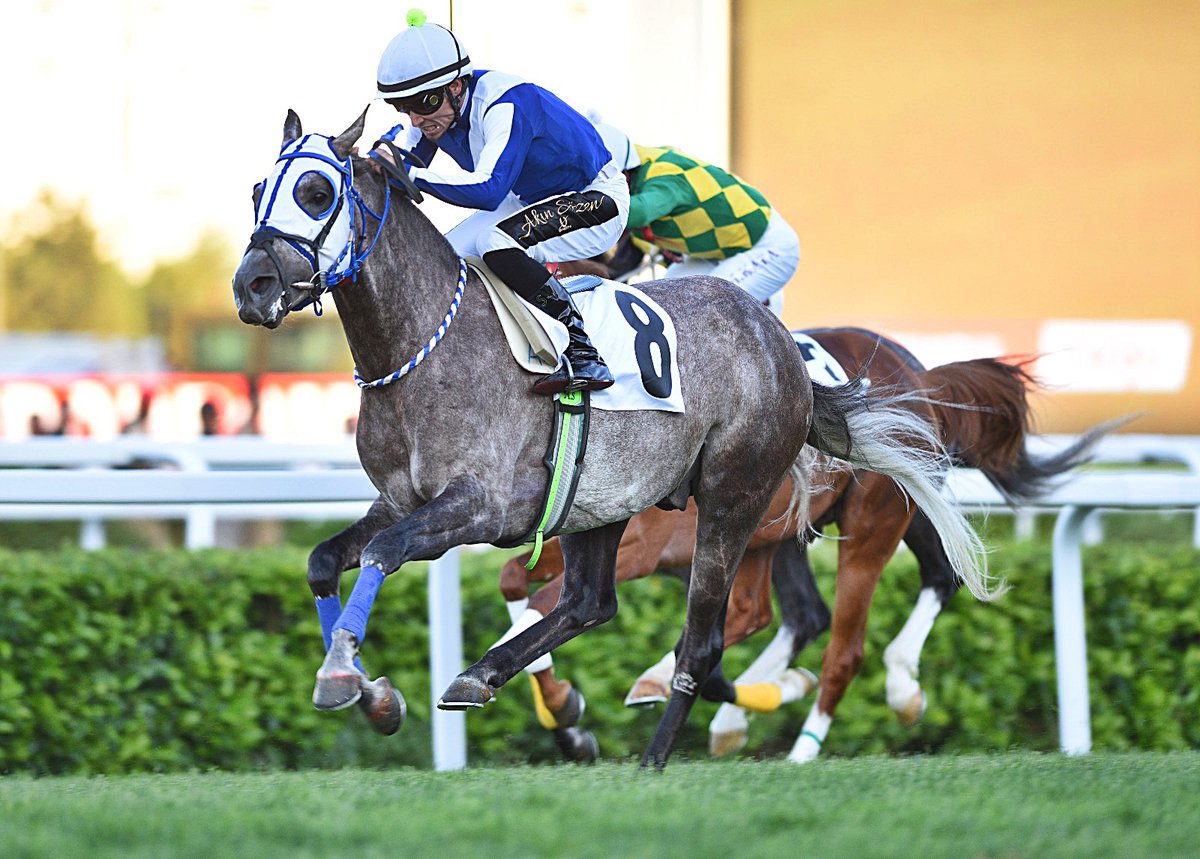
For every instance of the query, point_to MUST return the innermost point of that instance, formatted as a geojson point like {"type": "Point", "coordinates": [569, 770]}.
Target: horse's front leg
{"type": "Point", "coordinates": [459, 515]}
{"type": "Point", "coordinates": [339, 553]}
{"type": "Point", "coordinates": [589, 598]}
{"type": "Point", "coordinates": [383, 706]}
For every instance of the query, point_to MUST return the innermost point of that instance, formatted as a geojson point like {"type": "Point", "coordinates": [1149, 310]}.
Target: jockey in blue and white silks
{"type": "Point", "coordinates": [544, 182]}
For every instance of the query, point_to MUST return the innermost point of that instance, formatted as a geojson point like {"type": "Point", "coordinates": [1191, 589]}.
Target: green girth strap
{"type": "Point", "coordinates": [563, 460]}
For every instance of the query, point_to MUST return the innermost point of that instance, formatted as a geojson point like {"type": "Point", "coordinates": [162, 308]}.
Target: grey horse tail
{"type": "Point", "coordinates": [877, 430]}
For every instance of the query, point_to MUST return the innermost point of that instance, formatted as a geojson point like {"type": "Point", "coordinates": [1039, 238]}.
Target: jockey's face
{"type": "Point", "coordinates": [434, 125]}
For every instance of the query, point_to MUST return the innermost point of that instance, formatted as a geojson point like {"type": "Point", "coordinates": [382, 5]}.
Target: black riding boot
{"type": "Point", "coordinates": [581, 367]}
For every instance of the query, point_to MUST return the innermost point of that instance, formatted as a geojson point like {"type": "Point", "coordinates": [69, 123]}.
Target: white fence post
{"type": "Point", "coordinates": [446, 661]}
{"type": "Point", "coordinates": [1070, 640]}
{"type": "Point", "coordinates": [92, 535]}
{"type": "Point", "coordinates": [200, 528]}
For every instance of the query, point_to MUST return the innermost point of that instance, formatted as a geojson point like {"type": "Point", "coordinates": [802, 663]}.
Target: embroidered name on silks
{"type": "Point", "coordinates": [559, 215]}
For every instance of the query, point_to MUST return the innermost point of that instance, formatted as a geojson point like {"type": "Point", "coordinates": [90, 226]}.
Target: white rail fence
{"type": "Point", "coordinates": [246, 478]}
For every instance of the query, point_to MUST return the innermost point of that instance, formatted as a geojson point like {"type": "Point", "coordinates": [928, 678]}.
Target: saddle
{"type": "Point", "coordinates": [535, 338]}
{"type": "Point", "coordinates": [619, 317]}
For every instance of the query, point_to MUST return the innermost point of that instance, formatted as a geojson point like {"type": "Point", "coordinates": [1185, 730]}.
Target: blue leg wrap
{"type": "Point", "coordinates": [329, 609]}
{"type": "Point", "coordinates": [358, 607]}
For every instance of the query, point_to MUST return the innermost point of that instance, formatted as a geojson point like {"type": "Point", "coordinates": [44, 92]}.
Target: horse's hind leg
{"type": "Point", "coordinates": [874, 518]}
{"type": "Point", "coordinates": [559, 704]}
{"type": "Point", "coordinates": [721, 538]}
{"type": "Point", "coordinates": [902, 657]}
{"type": "Point", "coordinates": [589, 598]}
{"type": "Point", "coordinates": [804, 615]}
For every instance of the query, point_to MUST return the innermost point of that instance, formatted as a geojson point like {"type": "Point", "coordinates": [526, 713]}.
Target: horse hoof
{"type": "Point", "coordinates": [465, 693]}
{"type": "Point", "coordinates": [910, 714]}
{"type": "Point", "coordinates": [383, 706]}
{"type": "Point", "coordinates": [569, 714]}
{"type": "Point", "coordinates": [337, 691]}
{"type": "Point", "coordinates": [646, 692]}
{"type": "Point", "coordinates": [577, 745]}
{"type": "Point", "coordinates": [727, 743]}
{"type": "Point", "coordinates": [339, 683]}
{"type": "Point", "coordinates": [805, 751]}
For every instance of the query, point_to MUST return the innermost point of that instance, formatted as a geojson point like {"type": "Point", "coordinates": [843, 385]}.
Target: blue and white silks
{"type": "Point", "coordinates": [512, 137]}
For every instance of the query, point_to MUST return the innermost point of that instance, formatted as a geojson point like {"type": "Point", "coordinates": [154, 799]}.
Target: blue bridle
{"type": "Point", "coordinates": [347, 263]}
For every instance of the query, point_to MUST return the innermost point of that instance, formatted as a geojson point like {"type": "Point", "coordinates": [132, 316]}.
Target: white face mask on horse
{"type": "Point", "coordinates": [325, 239]}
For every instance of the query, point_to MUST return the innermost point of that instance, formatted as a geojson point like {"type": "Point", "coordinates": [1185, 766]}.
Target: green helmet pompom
{"type": "Point", "coordinates": [416, 18]}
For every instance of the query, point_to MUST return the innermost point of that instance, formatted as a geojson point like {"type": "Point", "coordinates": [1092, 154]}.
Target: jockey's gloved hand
{"type": "Point", "coordinates": [380, 151]}
{"type": "Point", "coordinates": [398, 164]}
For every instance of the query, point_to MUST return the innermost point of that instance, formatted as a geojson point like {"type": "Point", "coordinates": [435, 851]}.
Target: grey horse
{"type": "Point", "coordinates": [455, 447]}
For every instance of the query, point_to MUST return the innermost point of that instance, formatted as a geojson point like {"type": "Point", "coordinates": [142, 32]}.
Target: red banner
{"type": "Point", "coordinates": [179, 406]}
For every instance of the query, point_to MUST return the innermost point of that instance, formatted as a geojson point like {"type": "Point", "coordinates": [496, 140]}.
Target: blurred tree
{"type": "Point", "coordinates": [57, 278]}
{"type": "Point", "coordinates": [191, 293]}
{"type": "Point", "coordinates": [198, 282]}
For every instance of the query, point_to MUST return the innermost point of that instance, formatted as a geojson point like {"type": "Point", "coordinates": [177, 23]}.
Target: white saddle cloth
{"type": "Point", "coordinates": [633, 334]}
{"type": "Point", "coordinates": [823, 368]}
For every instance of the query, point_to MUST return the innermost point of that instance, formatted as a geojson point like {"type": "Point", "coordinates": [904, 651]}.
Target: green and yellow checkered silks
{"type": "Point", "coordinates": [695, 208]}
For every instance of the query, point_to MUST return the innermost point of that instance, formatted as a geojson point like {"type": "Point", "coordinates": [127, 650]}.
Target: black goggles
{"type": "Point", "coordinates": [422, 104]}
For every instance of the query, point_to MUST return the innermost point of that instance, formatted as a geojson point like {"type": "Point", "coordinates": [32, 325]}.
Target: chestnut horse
{"type": "Point", "coordinates": [872, 518]}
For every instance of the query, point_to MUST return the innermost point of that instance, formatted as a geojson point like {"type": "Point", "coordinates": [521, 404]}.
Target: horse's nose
{"type": "Point", "coordinates": [251, 314]}
{"type": "Point", "coordinates": [253, 288]}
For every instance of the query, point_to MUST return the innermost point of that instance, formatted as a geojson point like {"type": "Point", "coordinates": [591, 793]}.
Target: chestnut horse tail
{"type": "Point", "coordinates": [877, 429]}
{"type": "Point", "coordinates": [985, 422]}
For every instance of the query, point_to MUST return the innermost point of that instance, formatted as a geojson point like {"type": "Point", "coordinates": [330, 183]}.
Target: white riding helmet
{"type": "Point", "coordinates": [619, 144]}
{"type": "Point", "coordinates": [422, 57]}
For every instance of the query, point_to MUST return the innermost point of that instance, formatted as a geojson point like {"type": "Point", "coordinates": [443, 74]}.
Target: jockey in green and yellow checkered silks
{"type": "Point", "coordinates": [692, 207]}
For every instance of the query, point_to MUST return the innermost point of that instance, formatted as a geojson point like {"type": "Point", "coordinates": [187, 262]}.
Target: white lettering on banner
{"type": "Point", "coordinates": [307, 409]}
{"type": "Point", "coordinates": [297, 407]}
{"type": "Point", "coordinates": [22, 403]}
{"type": "Point", "coordinates": [1086, 356]}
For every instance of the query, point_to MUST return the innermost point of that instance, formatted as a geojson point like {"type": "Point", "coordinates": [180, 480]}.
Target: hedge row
{"type": "Point", "coordinates": [123, 661]}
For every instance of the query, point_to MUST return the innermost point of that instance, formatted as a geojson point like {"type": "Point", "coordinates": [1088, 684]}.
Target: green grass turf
{"type": "Point", "coordinates": [1005, 806]}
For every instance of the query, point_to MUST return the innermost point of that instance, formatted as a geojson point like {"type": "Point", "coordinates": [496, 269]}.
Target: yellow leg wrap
{"type": "Point", "coordinates": [544, 716]}
{"type": "Point", "coordinates": [759, 697]}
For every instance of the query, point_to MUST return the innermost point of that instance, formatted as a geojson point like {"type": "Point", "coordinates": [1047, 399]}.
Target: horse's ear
{"type": "Point", "coordinates": [291, 128]}
{"type": "Point", "coordinates": [344, 142]}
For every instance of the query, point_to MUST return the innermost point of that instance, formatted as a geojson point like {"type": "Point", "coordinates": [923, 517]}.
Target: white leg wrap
{"type": "Point", "coordinates": [812, 735]}
{"type": "Point", "coordinates": [903, 656]}
{"type": "Point", "coordinates": [516, 608]}
{"type": "Point", "coordinates": [772, 661]}
{"type": "Point", "coordinates": [663, 670]}
{"type": "Point", "coordinates": [770, 665]}
{"type": "Point", "coordinates": [729, 719]}
{"type": "Point", "coordinates": [527, 618]}
{"type": "Point", "coordinates": [796, 683]}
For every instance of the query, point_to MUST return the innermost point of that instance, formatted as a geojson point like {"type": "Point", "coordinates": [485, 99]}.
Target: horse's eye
{"type": "Point", "coordinates": [314, 193]}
